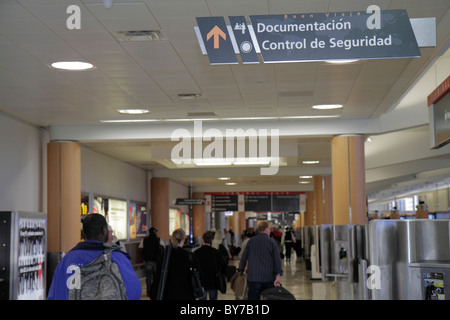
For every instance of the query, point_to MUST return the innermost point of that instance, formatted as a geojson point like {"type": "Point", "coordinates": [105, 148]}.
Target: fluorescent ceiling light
{"type": "Point", "coordinates": [228, 162]}
{"type": "Point", "coordinates": [224, 178]}
{"type": "Point", "coordinates": [72, 65]}
{"type": "Point", "coordinates": [341, 61]}
{"type": "Point", "coordinates": [305, 177]}
{"type": "Point", "coordinates": [252, 161]}
{"type": "Point", "coordinates": [327, 106]}
{"type": "Point", "coordinates": [133, 111]}
{"type": "Point", "coordinates": [212, 162]}
{"type": "Point", "coordinates": [129, 121]}
{"type": "Point", "coordinates": [230, 183]}
{"type": "Point", "coordinates": [304, 182]}
{"type": "Point", "coordinates": [311, 162]}
{"type": "Point", "coordinates": [221, 119]}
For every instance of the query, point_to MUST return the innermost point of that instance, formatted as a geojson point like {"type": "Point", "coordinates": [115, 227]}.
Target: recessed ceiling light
{"type": "Point", "coordinates": [224, 178]}
{"type": "Point", "coordinates": [305, 177]}
{"type": "Point", "coordinates": [327, 106]}
{"type": "Point", "coordinates": [72, 65]}
{"type": "Point", "coordinates": [303, 182]}
{"type": "Point", "coordinates": [230, 183]}
{"type": "Point", "coordinates": [133, 111]}
{"type": "Point", "coordinates": [311, 162]}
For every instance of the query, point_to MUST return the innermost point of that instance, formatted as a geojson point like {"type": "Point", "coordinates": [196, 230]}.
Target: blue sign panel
{"type": "Point", "coordinates": [217, 41]}
{"type": "Point", "coordinates": [328, 36]}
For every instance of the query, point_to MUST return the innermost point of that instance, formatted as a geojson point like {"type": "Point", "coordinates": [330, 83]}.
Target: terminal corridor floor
{"type": "Point", "coordinates": [298, 281]}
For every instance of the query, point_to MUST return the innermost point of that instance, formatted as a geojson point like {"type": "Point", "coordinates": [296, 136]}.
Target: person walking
{"type": "Point", "coordinates": [261, 259]}
{"type": "Point", "coordinates": [288, 240]}
{"type": "Point", "coordinates": [210, 263]}
{"type": "Point", "coordinates": [177, 283]}
{"type": "Point", "coordinates": [95, 231]}
{"type": "Point", "coordinates": [220, 244]}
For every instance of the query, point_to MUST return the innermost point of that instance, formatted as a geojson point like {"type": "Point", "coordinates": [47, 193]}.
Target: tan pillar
{"type": "Point", "coordinates": [323, 199]}
{"type": "Point", "coordinates": [349, 185]}
{"type": "Point", "coordinates": [242, 221]}
{"type": "Point", "coordinates": [63, 196]}
{"type": "Point", "coordinates": [160, 206]}
{"type": "Point", "coordinates": [309, 212]}
{"type": "Point", "coordinates": [198, 216]}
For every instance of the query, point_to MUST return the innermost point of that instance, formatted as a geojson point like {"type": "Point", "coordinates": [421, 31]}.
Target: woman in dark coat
{"type": "Point", "coordinates": [178, 280]}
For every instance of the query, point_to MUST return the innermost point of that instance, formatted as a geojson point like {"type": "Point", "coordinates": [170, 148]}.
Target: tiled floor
{"type": "Point", "coordinates": [298, 281]}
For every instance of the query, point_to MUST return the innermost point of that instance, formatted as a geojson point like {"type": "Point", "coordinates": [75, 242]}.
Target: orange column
{"type": "Point", "coordinates": [198, 216]}
{"type": "Point", "coordinates": [349, 185]}
{"type": "Point", "coordinates": [309, 212]}
{"type": "Point", "coordinates": [160, 206]}
{"type": "Point", "coordinates": [323, 200]}
{"type": "Point", "coordinates": [242, 222]}
{"type": "Point", "coordinates": [63, 196]}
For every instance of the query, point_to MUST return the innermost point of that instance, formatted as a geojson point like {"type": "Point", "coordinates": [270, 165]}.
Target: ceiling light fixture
{"type": "Point", "coordinates": [230, 183]}
{"type": "Point", "coordinates": [304, 182]}
{"type": "Point", "coordinates": [223, 119]}
{"type": "Point", "coordinates": [310, 162]}
{"type": "Point", "coordinates": [133, 111]}
{"type": "Point", "coordinates": [305, 177]}
{"type": "Point", "coordinates": [327, 106]}
{"type": "Point", "coordinates": [72, 65]}
{"type": "Point", "coordinates": [212, 162]}
{"type": "Point", "coordinates": [224, 178]}
{"type": "Point", "coordinates": [251, 161]}
{"type": "Point", "coordinates": [341, 61]}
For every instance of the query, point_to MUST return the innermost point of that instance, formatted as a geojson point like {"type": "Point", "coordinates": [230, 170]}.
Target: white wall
{"type": "Point", "coordinates": [105, 176]}
{"type": "Point", "coordinates": [177, 190]}
{"type": "Point", "coordinates": [22, 174]}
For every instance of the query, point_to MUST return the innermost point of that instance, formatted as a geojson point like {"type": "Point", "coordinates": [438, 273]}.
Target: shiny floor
{"type": "Point", "coordinates": [298, 281]}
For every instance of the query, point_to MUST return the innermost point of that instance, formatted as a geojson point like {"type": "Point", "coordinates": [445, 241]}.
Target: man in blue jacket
{"type": "Point", "coordinates": [95, 229]}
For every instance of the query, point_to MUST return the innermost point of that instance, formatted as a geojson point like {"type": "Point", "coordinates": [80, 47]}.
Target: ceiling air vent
{"type": "Point", "coordinates": [142, 35]}
{"type": "Point", "coordinates": [188, 96]}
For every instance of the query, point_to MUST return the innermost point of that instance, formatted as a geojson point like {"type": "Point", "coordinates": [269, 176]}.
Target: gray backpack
{"type": "Point", "coordinates": [100, 279]}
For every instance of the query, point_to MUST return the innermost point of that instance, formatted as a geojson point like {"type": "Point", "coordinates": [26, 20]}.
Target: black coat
{"type": "Point", "coordinates": [209, 262]}
{"type": "Point", "coordinates": [178, 283]}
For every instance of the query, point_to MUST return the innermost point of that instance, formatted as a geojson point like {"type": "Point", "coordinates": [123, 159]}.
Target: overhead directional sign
{"type": "Point", "coordinates": [189, 202]}
{"type": "Point", "coordinates": [243, 38]}
{"type": "Point", "coordinates": [325, 36]}
{"type": "Point", "coordinates": [217, 41]}
{"type": "Point", "coordinates": [371, 34]}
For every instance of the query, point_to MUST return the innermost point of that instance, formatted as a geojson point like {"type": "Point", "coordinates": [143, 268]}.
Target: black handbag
{"type": "Point", "coordinates": [198, 290]}
{"type": "Point", "coordinates": [221, 282]}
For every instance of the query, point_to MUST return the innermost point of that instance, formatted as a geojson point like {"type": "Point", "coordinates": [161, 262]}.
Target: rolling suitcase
{"type": "Point", "coordinates": [277, 293]}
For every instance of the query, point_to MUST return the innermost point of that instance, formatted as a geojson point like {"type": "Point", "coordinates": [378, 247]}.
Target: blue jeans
{"type": "Point", "coordinates": [255, 289]}
{"type": "Point", "coordinates": [212, 294]}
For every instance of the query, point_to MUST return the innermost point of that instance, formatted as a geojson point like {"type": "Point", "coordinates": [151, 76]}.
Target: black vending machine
{"type": "Point", "coordinates": [23, 254]}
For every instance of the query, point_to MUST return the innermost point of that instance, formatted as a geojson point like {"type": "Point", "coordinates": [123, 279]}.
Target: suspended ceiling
{"type": "Point", "coordinates": [153, 75]}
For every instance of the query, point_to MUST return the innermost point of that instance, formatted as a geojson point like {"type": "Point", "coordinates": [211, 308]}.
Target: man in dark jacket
{"type": "Point", "coordinates": [262, 260]}
{"type": "Point", "coordinates": [210, 263]}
